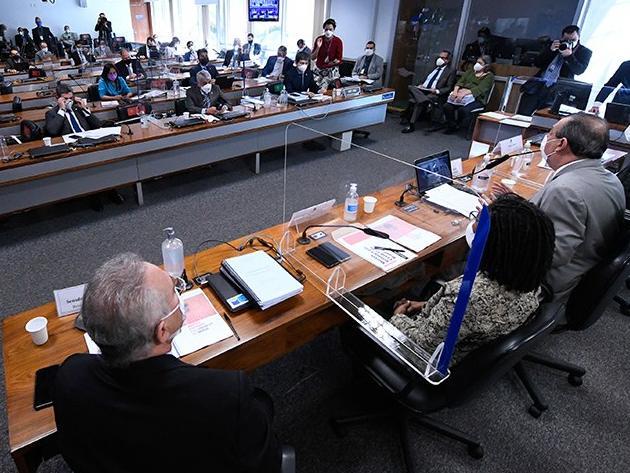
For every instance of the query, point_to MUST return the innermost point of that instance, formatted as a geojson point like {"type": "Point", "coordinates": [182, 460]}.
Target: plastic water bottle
{"type": "Point", "coordinates": [173, 254]}
{"type": "Point", "coordinates": [352, 204]}
{"type": "Point", "coordinates": [144, 123]}
{"type": "Point", "coordinates": [481, 178]}
{"type": "Point", "coordinates": [4, 150]}
{"type": "Point", "coordinates": [526, 159]}
{"type": "Point", "coordinates": [267, 98]}
{"type": "Point", "coordinates": [176, 88]}
{"type": "Point", "coordinates": [283, 100]}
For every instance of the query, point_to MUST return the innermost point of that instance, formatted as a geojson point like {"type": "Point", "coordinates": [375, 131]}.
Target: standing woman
{"type": "Point", "coordinates": [111, 86]}
{"type": "Point", "coordinates": [327, 54]}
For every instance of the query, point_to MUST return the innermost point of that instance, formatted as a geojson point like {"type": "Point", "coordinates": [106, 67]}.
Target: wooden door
{"type": "Point", "coordinates": [141, 20]}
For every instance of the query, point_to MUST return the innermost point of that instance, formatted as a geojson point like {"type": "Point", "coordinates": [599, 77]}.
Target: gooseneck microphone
{"type": "Point", "coordinates": [495, 162]}
{"type": "Point", "coordinates": [304, 240]}
{"type": "Point", "coordinates": [401, 200]}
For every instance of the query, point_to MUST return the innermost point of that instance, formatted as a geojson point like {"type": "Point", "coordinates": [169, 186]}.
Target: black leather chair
{"type": "Point", "coordinates": [415, 397]}
{"type": "Point", "coordinates": [585, 306]}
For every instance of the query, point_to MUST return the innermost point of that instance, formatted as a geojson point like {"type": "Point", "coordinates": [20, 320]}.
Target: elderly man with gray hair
{"type": "Point", "coordinates": [205, 96]}
{"type": "Point", "coordinates": [135, 407]}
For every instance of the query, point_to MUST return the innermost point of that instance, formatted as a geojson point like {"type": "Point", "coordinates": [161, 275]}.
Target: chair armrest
{"type": "Point", "coordinates": [288, 459]}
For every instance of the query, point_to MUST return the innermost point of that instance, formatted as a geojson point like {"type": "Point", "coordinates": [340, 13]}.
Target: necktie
{"type": "Point", "coordinates": [74, 123]}
{"type": "Point", "coordinates": [553, 71]}
{"type": "Point", "coordinates": [433, 78]}
{"type": "Point", "coordinates": [130, 69]}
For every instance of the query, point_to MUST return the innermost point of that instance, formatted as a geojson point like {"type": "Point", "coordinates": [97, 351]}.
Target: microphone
{"type": "Point", "coordinates": [495, 162]}
{"type": "Point", "coordinates": [401, 200]}
{"type": "Point", "coordinates": [304, 240]}
{"type": "Point", "coordinates": [126, 122]}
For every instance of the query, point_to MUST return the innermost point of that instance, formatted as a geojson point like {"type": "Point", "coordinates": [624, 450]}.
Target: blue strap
{"type": "Point", "coordinates": [472, 266]}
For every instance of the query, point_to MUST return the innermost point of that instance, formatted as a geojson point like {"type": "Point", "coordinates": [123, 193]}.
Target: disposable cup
{"type": "Point", "coordinates": [38, 329]}
{"type": "Point", "coordinates": [368, 204]}
{"type": "Point", "coordinates": [47, 141]}
{"type": "Point", "coordinates": [186, 115]}
{"type": "Point", "coordinates": [508, 182]}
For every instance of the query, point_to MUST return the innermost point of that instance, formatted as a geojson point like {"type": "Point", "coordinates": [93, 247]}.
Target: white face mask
{"type": "Point", "coordinates": [182, 308]}
{"type": "Point", "coordinates": [478, 67]}
{"type": "Point", "coordinates": [328, 33]}
{"type": "Point", "coordinates": [470, 234]}
{"type": "Point", "coordinates": [440, 62]}
{"type": "Point", "coordinates": [543, 144]}
{"type": "Point", "coordinates": [207, 88]}
{"type": "Point", "coordinates": [369, 52]}
{"type": "Point", "coordinates": [302, 68]}
{"type": "Point", "coordinates": [44, 50]}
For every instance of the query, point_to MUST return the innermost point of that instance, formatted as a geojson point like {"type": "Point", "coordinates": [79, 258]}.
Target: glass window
{"type": "Point", "coordinates": [188, 23]}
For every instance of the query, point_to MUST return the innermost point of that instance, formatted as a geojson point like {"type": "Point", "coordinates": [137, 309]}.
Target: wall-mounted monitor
{"type": "Point", "coordinates": [264, 10]}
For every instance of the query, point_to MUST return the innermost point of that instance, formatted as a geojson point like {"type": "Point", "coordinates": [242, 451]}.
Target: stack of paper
{"type": "Point", "coordinates": [262, 278]}
{"type": "Point", "coordinates": [405, 234]}
{"type": "Point", "coordinates": [382, 253]}
{"type": "Point", "coordinates": [448, 197]}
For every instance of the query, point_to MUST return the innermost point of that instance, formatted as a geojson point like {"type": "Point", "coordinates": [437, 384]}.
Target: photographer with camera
{"type": "Point", "coordinates": [104, 29]}
{"type": "Point", "coordinates": [566, 57]}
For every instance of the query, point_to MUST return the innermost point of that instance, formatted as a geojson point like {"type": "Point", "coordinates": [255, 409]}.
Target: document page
{"type": "Point", "coordinates": [405, 234]}
{"type": "Point", "coordinates": [374, 250]}
{"type": "Point", "coordinates": [448, 197]}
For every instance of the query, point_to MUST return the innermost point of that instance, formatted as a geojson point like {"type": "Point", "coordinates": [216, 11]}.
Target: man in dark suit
{"type": "Point", "coordinates": [621, 76]}
{"type": "Point", "coordinates": [482, 46]}
{"type": "Point", "coordinates": [234, 56]}
{"type": "Point", "coordinates": [16, 62]}
{"type": "Point", "coordinates": [203, 65]}
{"type": "Point", "coordinates": [128, 68]}
{"type": "Point", "coordinates": [42, 34]}
{"type": "Point", "coordinates": [432, 93]}
{"type": "Point", "coordinates": [565, 57]}
{"type": "Point", "coordinates": [300, 77]}
{"type": "Point", "coordinates": [120, 410]}
{"type": "Point", "coordinates": [70, 115]}
{"type": "Point", "coordinates": [277, 66]}
{"type": "Point", "coordinates": [205, 97]}
{"type": "Point", "coordinates": [251, 50]}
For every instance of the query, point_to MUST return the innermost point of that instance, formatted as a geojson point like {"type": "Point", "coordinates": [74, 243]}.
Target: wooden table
{"type": "Point", "coordinates": [265, 335]}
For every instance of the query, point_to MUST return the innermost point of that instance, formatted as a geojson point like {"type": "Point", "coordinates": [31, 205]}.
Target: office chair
{"type": "Point", "coordinates": [475, 113]}
{"type": "Point", "coordinates": [585, 306]}
{"type": "Point", "coordinates": [288, 459]}
{"type": "Point", "coordinates": [415, 397]}
{"type": "Point", "coordinates": [92, 93]}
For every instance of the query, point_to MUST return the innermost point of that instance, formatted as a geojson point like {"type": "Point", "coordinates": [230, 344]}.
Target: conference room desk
{"type": "Point", "coordinates": [152, 152]}
{"type": "Point", "coordinates": [35, 98]}
{"type": "Point", "coordinates": [25, 85]}
{"type": "Point", "coordinates": [264, 335]}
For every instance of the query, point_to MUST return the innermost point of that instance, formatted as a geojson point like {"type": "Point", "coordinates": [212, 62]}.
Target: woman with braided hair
{"type": "Point", "coordinates": [506, 290]}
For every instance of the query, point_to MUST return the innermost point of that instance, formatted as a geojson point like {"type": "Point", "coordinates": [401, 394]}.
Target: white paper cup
{"type": "Point", "coordinates": [186, 115]}
{"type": "Point", "coordinates": [47, 141]}
{"type": "Point", "coordinates": [368, 204]}
{"type": "Point", "coordinates": [37, 327]}
{"type": "Point", "coordinates": [508, 182]}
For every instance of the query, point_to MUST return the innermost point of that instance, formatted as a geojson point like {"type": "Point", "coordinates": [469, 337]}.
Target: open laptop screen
{"type": "Point", "coordinates": [439, 167]}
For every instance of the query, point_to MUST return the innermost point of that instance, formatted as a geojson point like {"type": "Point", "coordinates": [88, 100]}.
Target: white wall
{"type": "Point", "coordinates": [66, 12]}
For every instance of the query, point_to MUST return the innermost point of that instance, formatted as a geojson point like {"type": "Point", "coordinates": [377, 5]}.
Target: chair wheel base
{"type": "Point", "coordinates": [536, 411]}
{"type": "Point", "coordinates": [575, 380]}
{"type": "Point", "coordinates": [475, 451]}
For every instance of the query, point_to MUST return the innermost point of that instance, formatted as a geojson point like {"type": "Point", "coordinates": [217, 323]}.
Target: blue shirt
{"type": "Point", "coordinates": [107, 87]}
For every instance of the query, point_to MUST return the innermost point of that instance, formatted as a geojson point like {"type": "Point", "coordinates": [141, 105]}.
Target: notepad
{"type": "Point", "coordinates": [448, 197]}
{"type": "Point", "coordinates": [404, 233]}
{"type": "Point", "coordinates": [262, 278]}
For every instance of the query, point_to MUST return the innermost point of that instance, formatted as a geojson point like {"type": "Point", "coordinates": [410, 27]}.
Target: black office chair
{"type": "Point", "coordinates": [92, 93]}
{"type": "Point", "coordinates": [415, 397]}
{"type": "Point", "coordinates": [585, 306]}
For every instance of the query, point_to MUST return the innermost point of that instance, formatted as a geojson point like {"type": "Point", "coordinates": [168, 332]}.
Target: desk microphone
{"type": "Point", "coordinates": [495, 162]}
{"type": "Point", "coordinates": [304, 240]}
{"type": "Point", "coordinates": [127, 122]}
{"type": "Point", "coordinates": [401, 200]}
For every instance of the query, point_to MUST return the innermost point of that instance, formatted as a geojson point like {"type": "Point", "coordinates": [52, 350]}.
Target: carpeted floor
{"type": "Point", "coordinates": [585, 429]}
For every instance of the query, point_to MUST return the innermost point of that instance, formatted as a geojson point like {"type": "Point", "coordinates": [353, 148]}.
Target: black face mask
{"type": "Point", "coordinates": [127, 61]}
{"type": "Point", "coordinates": [250, 41]}
{"type": "Point", "coordinates": [204, 61]}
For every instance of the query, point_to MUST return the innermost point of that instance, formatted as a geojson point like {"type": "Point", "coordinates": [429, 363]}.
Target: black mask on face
{"type": "Point", "coordinates": [204, 61]}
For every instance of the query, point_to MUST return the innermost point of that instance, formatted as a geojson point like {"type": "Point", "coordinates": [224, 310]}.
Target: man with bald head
{"type": "Point", "coordinates": [128, 67]}
{"type": "Point", "coordinates": [135, 407]}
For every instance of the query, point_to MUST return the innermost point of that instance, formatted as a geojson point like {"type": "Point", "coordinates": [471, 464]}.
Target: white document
{"type": "Point", "coordinates": [456, 167]}
{"type": "Point", "coordinates": [94, 134]}
{"type": "Point", "coordinates": [404, 233]}
{"type": "Point", "coordinates": [69, 300]}
{"type": "Point", "coordinates": [109, 103]}
{"type": "Point", "coordinates": [450, 198]}
{"type": "Point", "coordinates": [523, 118]}
{"type": "Point", "coordinates": [495, 115]}
{"type": "Point", "coordinates": [367, 247]}
{"type": "Point", "coordinates": [477, 149]}
{"type": "Point", "coordinates": [510, 121]}
{"type": "Point", "coordinates": [263, 278]}
{"type": "Point", "coordinates": [204, 325]}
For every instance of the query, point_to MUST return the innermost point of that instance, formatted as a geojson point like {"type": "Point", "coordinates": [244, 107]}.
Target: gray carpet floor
{"type": "Point", "coordinates": [585, 429]}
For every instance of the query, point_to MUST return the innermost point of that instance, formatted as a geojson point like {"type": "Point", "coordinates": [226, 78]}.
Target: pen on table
{"type": "Point", "coordinates": [229, 322]}
{"type": "Point", "coordinates": [395, 250]}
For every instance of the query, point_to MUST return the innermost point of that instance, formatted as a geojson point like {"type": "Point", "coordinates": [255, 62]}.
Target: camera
{"type": "Point", "coordinates": [564, 45]}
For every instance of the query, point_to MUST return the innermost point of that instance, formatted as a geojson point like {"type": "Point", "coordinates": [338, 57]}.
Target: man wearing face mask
{"type": "Point", "coordinates": [369, 66]}
{"type": "Point", "coordinates": [130, 69]}
{"type": "Point", "coordinates": [277, 66]}
{"type": "Point", "coordinates": [204, 65]}
{"type": "Point", "coordinates": [205, 97]}
{"type": "Point", "coordinates": [103, 50]}
{"type": "Point", "coordinates": [327, 54]}
{"type": "Point", "coordinates": [15, 62]}
{"type": "Point", "coordinates": [234, 56]}
{"type": "Point", "coordinates": [206, 419]}
{"type": "Point", "coordinates": [190, 55]}
{"type": "Point", "coordinates": [70, 115]}
{"type": "Point", "coordinates": [149, 50]}
{"type": "Point", "coordinates": [565, 57]}
{"type": "Point", "coordinates": [302, 48]}
{"type": "Point", "coordinates": [5, 40]}
{"type": "Point", "coordinates": [251, 50]}
{"type": "Point", "coordinates": [431, 94]}
{"type": "Point", "coordinates": [482, 46]}
{"type": "Point", "coordinates": [43, 54]}
{"type": "Point", "coordinates": [68, 38]}
{"type": "Point", "coordinates": [300, 78]}
{"type": "Point", "coordinates": [42, 34]}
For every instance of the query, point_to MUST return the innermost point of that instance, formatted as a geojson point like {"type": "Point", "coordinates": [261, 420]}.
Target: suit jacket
{"type": "Point", "coordinates": [44, 35]}
{"type": "Point", "coordinates": [444, 85]}
{"type": "Point", "coordinates": [58, 125]}
{"type": "Point", "coordinates": [256, 50]}
{"type": "Point", "coordinates": [198, 68]}
{"type": "Point", "coordinates": [573, 65]}
{"type": "Point", "coordinates": [229, 54]}
{"type": "Point", "coordinates": [586, 204]}
{"type": "Point", "coordinates": [375, 69]}
{"type": "Point", "coordinates": [621, 76]}
{"type": "Point", "coordinates": [294, 82]}
{"type": "Point", "coordinates": [196, 100]}
{"type": "Point", "coordinates": [121, 419]}
{"type": "Point", "coordinates": [271, 62]}
{"type": "Point", "coordinates": [137, 68]}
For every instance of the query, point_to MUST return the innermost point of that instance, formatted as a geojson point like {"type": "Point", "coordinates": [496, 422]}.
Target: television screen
{"type": "Point", "coordinates": [264, 10]}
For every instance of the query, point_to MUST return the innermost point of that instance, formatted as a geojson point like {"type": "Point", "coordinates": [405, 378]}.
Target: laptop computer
{"type": "Point", "coordinates": [181, 122]}
{"type": "Point", "coordinates": [433, 171]}
{"type": "Point", "coordinates": [618, 113]}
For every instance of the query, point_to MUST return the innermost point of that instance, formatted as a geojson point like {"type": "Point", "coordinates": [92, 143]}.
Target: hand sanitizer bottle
{"type": "Point", "coordinates": [481, 178]}
{"type": "Point", "coordinates": [352, 204]}
{"type": "Point", "coordinates": [522, 162]}
{"type": "Point", "coordinates": [173, 254]}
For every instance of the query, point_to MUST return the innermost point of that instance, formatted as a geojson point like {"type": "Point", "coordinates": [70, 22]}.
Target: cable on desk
{"type": "Point", "coordinates": [196, 272]}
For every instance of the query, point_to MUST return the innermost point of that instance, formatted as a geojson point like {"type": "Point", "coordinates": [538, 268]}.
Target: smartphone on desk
{"type": "Point", "coordinates": [328, 254]}
{"type": "Point", "coordinates": [44, 381]}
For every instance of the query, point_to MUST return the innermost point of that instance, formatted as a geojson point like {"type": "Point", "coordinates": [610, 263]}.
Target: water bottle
{"type": "Point", "coordinates": [144, 123]}
{"type": "Point", "coordinates": [352, 204]}
{"type": "Point", "coordinates": [521, 163]}
{"type": "Point", "coordinates": [4, 150]}
{"type": "Point", "coordinates": [267, 98]}
{"type": "Point", "coordinates": [283, 100]}
{"type": "Point", "coordinates": [173, 254]}
{"type": "Point", "coordinates": [176, 88]}
{"type": "Point", "coordinates": [481, 178]}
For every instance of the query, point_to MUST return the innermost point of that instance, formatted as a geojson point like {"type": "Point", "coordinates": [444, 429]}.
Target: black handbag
{"type": "Point", "coordinates": [532, 86]}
